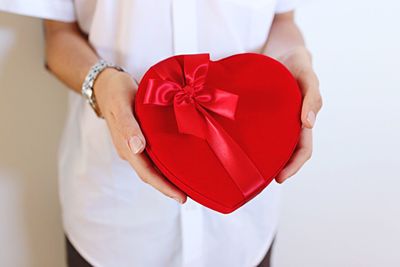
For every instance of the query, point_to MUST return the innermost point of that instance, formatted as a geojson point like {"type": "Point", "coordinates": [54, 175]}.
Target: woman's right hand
{"type": "Point", "coordinates": [115, 92]}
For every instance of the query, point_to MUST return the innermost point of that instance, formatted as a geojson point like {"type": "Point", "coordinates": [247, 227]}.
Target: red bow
{"type": "Point", "coordinates": [192, 100]}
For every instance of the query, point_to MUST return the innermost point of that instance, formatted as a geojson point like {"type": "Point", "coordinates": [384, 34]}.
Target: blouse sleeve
{"type": "Point", "coordinates": [283, 6]}
{"type": "Point", "coordinates": [62, 10]}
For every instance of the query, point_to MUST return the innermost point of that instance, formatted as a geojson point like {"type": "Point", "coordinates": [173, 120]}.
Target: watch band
{"type": "Point", "coordinates": [87, 86]}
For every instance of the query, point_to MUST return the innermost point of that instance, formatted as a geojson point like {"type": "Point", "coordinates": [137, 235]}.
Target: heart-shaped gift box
{"type": "Point", "coordinates": [219, 130]}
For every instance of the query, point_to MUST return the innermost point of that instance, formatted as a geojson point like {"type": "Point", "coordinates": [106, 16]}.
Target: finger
{"type": "Point", "coordinates": [143, 166]}
{"type": "Point", "coordinates": [147, 172]}
{"type": "Point", "coordinates": [299, 157]}
{"type": "Point", "coordinates": [130, 142]}
{"type": "Point", "coordinates": [312, 100]}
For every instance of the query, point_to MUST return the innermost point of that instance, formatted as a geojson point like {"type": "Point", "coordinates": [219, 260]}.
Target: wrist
{"type": "Point", "coordinates": [298, 51]}
{"type": "Point", "coordinates": [91, 78]}
{"type": "Point", "coordinates": [297, 60]}
{"type": "Point", "coordinates": [103, 79]}
{"type": "Point", "coordinates": [112, 85]}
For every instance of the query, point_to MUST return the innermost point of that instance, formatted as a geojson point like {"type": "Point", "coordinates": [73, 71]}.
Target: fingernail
{"type": "Point", "coordinates": [311, 118]}
{"type": "Point", "coordinates": [178, 200]}
{"type": "Point", "coordinates": [136, 144]}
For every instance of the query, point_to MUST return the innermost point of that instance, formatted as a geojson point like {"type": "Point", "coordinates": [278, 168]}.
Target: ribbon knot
{"type": "Point", "coordinates": [194, 102]}
{"type": "Point", "coordinates": [189, 91]}
{"type": "Point", "coordinates": [187, 95]}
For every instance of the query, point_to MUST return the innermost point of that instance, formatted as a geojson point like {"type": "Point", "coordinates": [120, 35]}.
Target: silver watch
{"type": "Point", "coordinates": [87, 86]}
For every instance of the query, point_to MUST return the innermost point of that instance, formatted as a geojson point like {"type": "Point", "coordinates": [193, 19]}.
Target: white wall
{"type": "Point", "coordinates": [341, 209]}
{"type": "Point", "coordinates": [32, 107]}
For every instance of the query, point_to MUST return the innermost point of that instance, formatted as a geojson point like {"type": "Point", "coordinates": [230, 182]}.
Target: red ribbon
{"type": "Point", "coordinates": [192, 101]}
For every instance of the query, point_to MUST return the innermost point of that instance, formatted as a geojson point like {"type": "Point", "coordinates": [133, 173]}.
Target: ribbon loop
{"type": "Point", "coordinates": [192, 100]}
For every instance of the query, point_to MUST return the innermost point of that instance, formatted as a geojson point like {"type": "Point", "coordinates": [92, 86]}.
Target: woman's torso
{"type": "Point", "coordinates": [110, 216]}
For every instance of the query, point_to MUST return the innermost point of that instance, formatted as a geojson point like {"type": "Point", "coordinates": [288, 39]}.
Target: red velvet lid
{"type": "Point", "coordinates": [266, 103]}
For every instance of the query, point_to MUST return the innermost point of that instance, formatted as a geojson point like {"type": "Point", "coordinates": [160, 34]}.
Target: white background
{"type": "Point", "coordinates": [342, 209]}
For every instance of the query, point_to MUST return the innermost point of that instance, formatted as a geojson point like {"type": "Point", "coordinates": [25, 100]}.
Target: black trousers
{"type": "Point", "coordinates": [74, 259]}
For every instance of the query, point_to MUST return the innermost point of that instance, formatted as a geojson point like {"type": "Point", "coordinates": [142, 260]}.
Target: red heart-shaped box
{"type": "Point", "coordinates": [219, 130]}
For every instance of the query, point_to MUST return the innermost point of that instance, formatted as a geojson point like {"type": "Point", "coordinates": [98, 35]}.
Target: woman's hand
{"type": "Point", "coordinates": [69, 56]}
{"type": "Point", "coordinates": [298, 61]}
{"type": "Point", "coordinates": [115, 92]}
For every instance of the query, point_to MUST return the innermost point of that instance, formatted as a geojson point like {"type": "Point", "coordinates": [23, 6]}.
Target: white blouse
{"type": "Point", "coordinates": [110, 216]}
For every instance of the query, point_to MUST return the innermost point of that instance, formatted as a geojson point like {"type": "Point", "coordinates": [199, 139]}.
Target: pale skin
{"type": "Point", "coordinates": [69, 57]}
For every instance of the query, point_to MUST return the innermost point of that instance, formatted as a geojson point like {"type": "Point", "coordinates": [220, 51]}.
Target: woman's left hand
{"type": "Point", "coordinates": [298, 61]}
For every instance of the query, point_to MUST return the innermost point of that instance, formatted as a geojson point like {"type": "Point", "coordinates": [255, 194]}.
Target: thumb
{"type": "Point", "coordinates": [136, 140]}
{"type": "Point", "coordinates": [129, 128]}
{"type": "Point", "coordinates": [312, 103]}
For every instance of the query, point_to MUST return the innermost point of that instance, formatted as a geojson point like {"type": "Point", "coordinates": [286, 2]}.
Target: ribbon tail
{"type": "Point", "coordinates": [189, 120]}
{"type": "Point", "coordinates": [235, 161]}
